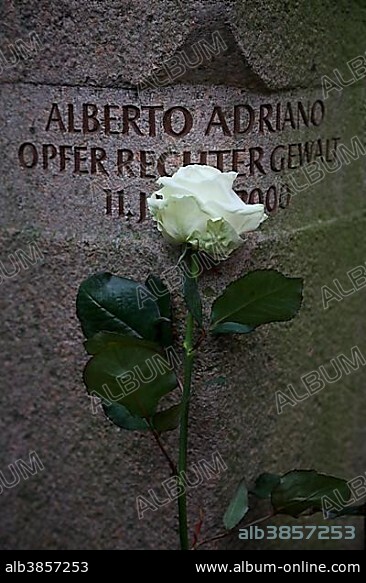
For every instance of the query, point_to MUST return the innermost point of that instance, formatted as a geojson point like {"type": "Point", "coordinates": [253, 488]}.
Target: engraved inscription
{"type": "Point", "coordinates": [148, 141]}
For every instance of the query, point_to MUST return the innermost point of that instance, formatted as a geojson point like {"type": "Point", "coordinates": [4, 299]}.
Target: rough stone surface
{"type": "Point", "coordinates": [278, 51]}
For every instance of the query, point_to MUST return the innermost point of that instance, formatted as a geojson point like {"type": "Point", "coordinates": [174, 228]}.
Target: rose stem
{"type": "Point", "coordinates": [183, 436]}
{"type": "Point", "coordinates": [162, 448]}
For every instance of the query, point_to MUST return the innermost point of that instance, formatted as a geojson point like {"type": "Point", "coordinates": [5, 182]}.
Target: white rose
{"type": "Point", "coordinates": [198, 205]}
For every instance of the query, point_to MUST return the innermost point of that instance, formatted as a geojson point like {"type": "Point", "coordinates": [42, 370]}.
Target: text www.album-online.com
{"type": "Point", "coordinates": [301, 567]}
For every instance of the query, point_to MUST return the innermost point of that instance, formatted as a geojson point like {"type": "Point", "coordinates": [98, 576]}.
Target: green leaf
{"type": "Point", "coordinates": [264, 485]}
{"type": "Point", "coordinates": [233, 328]}
{"type": "Point", "coordinates": [109, 303]}
{"type": "Point", "coordinates": [303, 490]}
{"type": "Point", "coordinates": [163, 299]}
{"type": "Point", "coordinates": [121, 417]}
{"type": "Point", "coordinates": [257, 298]}
{"type": "Point", "coordinates": [101, 339]}
{"type": "Point", "coordinates": [130, 372]}
{"type": "Point", "coordinates": [237, 508]}
{"type": "Point", "coordinates": [161, 293]}
{"type": "Point", "coordinates": [167, 420]}
{"type": "Point", "coordinates": [192, 297]}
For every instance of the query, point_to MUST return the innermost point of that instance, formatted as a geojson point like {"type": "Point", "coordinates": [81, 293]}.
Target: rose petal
{"type": "Point", "coordinates": [178, 217]}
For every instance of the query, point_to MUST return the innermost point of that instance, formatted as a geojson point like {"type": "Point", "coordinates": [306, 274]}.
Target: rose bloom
{"type": "Point", "coordinates": [198, 205]}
